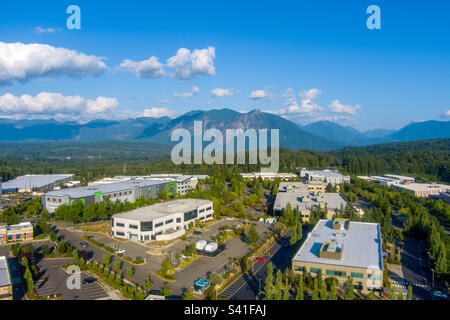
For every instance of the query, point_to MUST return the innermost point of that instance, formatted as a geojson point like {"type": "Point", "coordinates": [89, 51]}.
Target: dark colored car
{"type": "Point", "coordinates": [197, 233]}
{"type": "Point", "coordinates": [84, 244]}
{"type": "Point", "coordinates": [89, 280]}
{"type": "Point", "coordinates": [285, 244]}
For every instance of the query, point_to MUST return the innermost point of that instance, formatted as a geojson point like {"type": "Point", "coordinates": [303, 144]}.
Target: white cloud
{"type": "Point", "coordinates": [194, 92]}
{"type": "Point", "coordinates": [187, 65]}
{"type": "Point", "coordinates": [306, 106]}
{"type": "Point", "coordinates": [22, 62]}
{"type": "Point", "coordinates": [260, 94]}
{"type": "Point", "coordinates": [45, 30]}
{"type": "Point", "coordinates": [150, 68]}
{"type": "Point", "coordinates": [447, 113]}
{"type": "Point", "coordinates": [337, 107]}
{"type": "Point", "coordinates": [158, 113]}
{"type": "Point", "coordinates": [55, 105]}
{"type": "Point", "coordinates": [220, 92]}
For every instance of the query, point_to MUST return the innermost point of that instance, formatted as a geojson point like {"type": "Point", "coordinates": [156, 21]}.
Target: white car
{"type": "Point", "coordinates": [119, 251]}
{"type": "Point", "coordinates": [229, 219]}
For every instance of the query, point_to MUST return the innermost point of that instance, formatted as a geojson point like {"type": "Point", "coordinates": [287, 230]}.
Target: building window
{"type": "Point", "coordinates": [146, 225]}
{"type": "Point", "coordinates": [169, 221]}
{"type": "Point", "coordinates": [374, 277]}
{"type": "Point", "coordinates": [314, 270]}
{"type": "Point", "coordinates": [297, 268]}
{"type": "Point", "coordinates": [158, 225]}
{"type": "Point", "coordinates": [133, 226]}
{"type": "Point", "coordinates": [120, 234]}
{"type": "Point", "coordinates": [190, 215]}
{"type": "Point", "coordinates": [209, 208]}
{"type": "Point", "coordinates": [208, 216]}
{"type": "Point", "coordinates": [120, 225]}
{"type": "Point", "coordinates": [201, 211]}
{"type": "Point", "coordinates": [178, 220]}
{"type": "Point", "coordinates": [336, 273]}
{"type": "Point", "coordinates": [357, 275]}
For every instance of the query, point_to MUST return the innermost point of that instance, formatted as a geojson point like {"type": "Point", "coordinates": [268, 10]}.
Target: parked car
{"type": "Point", "coordinates": [89, 280]}
{"type": "Point", "coordinates": [285, 244]}
{"type": "Point", "coordinates": [438, 295]}
{"type": "Point", "coordinates": [84, 244]}
{"type": "Point", "coordinates": [119, 251]}
{"type": "Point", "coordinates": [197, 233]}
{"type": "Point", "coordinates": [261, 259]}
{"type": "Point", "coordinates": [229, 219]}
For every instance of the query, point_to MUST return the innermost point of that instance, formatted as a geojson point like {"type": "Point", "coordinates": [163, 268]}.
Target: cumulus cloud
{"type": "Point", "coordinates": [45, 30]}
{"type": "Point", "coordinates": [220, 92]}
{"type": "Point", "coordinates": [22, 62]}
{"type": "Point", "coordinates": [447, 113]}
{"type": "Point", "coordinates": [195, 90]}
{"type": "Point", "coordinates": [53, 105]}
{"type": "Point", "coordinates": [158, 113]}
{"type": "Point", "coordinates": [306, 106]}
{"type": "Point", "coordinates": [261, 94]}
{"type": "Point", "coordinates": [187, 64]}
{"type": "Point", "coordinates": [150, 68]}
{"type": "Point", "coordinates": [337, 107]}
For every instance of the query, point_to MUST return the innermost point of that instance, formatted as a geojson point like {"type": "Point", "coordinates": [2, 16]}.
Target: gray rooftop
{"type": "Point", "coordinates": [162, 209]}
{"type": "Point", "coordinates": [34, 181]}
{"type": "Point", "coordinates": [105, 188]}
{"type": "Point", "coordinates": [361, 245]}
{"type": "Point", "coordinates": [326, 173]}
{"type": "Point", "coordinates": [5, 276]}
{"type": "Point", "coordinates": [303, 200]}
{"type": "Point", "coordinates": [297, 186]}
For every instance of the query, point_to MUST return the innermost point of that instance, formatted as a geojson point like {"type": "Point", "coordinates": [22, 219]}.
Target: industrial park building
{"type": "Point", "coordinates": [269, 175]}
{"type": "Point", "coordinates": [5, 280]}
{"type": "Point", "coordinates": [35, 182]}
{"type": "Point", "coordinates": [328, 176]}
{"type": "Point", "coordinates": [16, 232]}
{"type": "Point", "coordinates": [423, 190]}
{"type": "Point", "coordinates": [129, 191]}
{"type": "Point", "coordinates": [340, 249]}
{"type": "Point", "coordinates": [304, 201]}
{"type": "Point", "coordinates": [161, 221]}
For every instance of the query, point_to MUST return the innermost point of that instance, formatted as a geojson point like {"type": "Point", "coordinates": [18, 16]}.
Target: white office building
{"type": "Point", "coordinates": [161, 221]}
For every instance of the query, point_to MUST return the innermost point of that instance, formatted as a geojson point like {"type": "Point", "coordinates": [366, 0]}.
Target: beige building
{"type": "Point", "coordinates": [269, 175]}
{"type": "Point", "coordinates": [423, 190]}
{"type": "Point", "coordinates": [340, 249]}
{"type": "Point", "coordinates": [17, 232]}
{"type": "Point", "coordinates": [305, 201]}
{"type": "Point", "coordinates": [5, 280]}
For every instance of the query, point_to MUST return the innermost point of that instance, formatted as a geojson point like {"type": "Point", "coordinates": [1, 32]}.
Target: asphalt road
{"type": "Point", "coordinates": [248, 287]}
{"type": "Point", "coordinates": [414, 259]}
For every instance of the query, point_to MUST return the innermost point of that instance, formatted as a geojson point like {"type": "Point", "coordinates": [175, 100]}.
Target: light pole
{"type": "Point", "coordinates": [432, 278]}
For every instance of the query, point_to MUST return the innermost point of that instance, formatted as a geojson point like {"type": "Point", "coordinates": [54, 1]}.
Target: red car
{"type": "Point", "coordinates": [261, 259]}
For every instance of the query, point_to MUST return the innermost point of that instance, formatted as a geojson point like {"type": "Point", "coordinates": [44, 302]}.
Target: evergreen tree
{"type": "Point", "coordinates": [315, 293]}
{"type": "Point", "coordinates": [278, 285]}
{"type": "Point", "coordinates": [349, 289]}
{"type": "Point", "coordinates": [333, 291]}
{"type": "Point", "coordinates": [268, 284]}
{"type": "Point", "coordinates": [410, 293]}
{"type": "Point", "coordinates": [371, 295]}
{"type": "Point", "coordinates": [300, 288]}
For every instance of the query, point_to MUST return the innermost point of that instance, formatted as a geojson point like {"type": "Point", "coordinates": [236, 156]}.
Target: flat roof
{"type": "Point", "coordinates": [159, 210]}
{"type": "Point", "coordinates": [422, 186]}
{"type": "Point", "coordinates": [326, 173]}
{"type": "Point", "coordinates": [34, 181]}
{"type": "Point", "coordinates": [361, 245]}
{"type": "Point", "coordinates": [297, 185]}
{"type": "Point", "coordinates": [105, 188]}
{"type": "Point", "coordinates": [5, 276]}
{"type": "Point", "coordinates": [19, 226]}
{"type": "Point", "coordinates": [333, 200]}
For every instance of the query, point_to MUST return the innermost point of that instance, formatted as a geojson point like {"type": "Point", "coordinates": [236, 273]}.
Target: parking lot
{"type": "Point", "coordinates": [54, 281]}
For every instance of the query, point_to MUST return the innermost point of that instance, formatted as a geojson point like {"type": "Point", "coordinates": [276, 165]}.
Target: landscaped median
{"type": "Point", "coordinates": [138, 261]}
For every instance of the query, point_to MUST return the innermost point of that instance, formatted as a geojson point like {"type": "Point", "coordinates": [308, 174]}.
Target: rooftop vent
{"type": "Point", "coordinates": [331, 250]}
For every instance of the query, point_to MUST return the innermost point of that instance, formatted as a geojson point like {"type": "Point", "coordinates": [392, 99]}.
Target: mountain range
{"type": "Point", "coordinates": [321, 135]}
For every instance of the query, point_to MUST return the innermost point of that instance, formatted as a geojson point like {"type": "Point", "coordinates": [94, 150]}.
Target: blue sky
{"type": "Point", "coordinates": [305, 60]}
